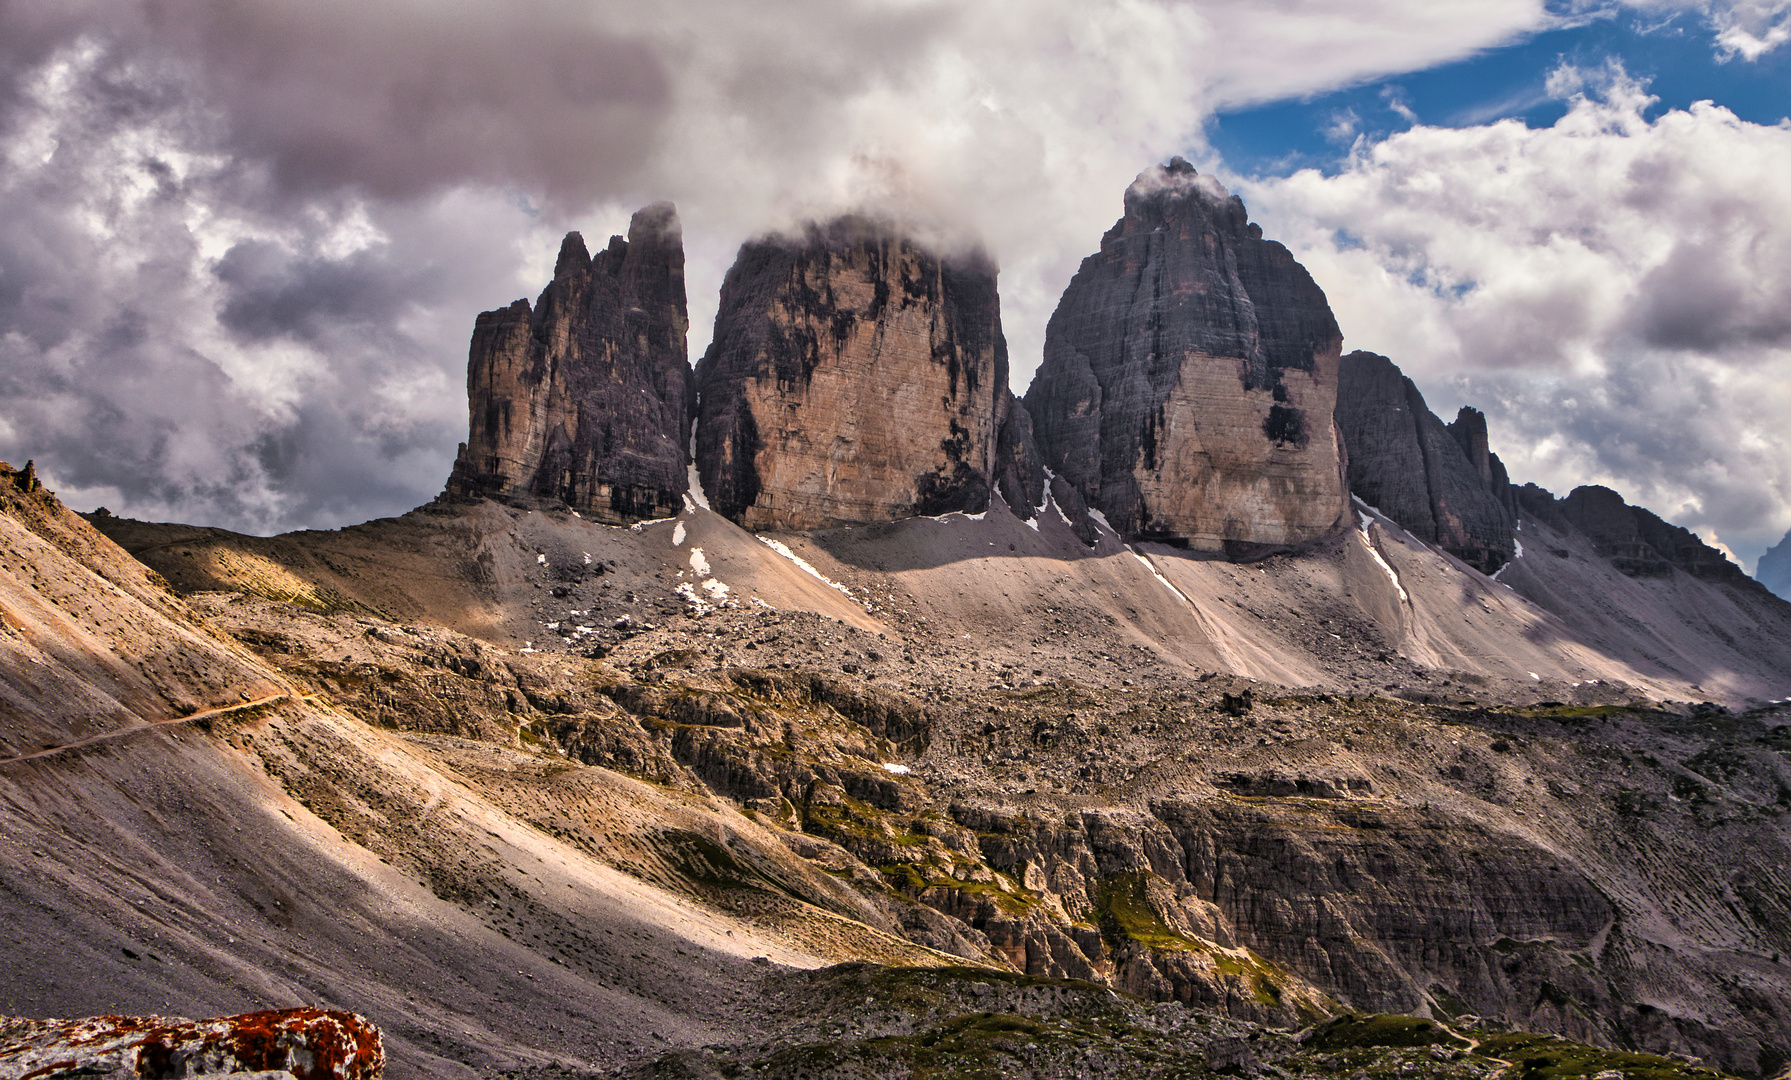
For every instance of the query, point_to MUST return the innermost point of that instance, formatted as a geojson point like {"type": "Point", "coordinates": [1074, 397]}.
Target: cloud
{"type": "Point", "coordinates": [1748, 29]}
{"type": "Point", "coordinates": [245, 242]}
{"type": "Point", "coordinates": [1614, 291]}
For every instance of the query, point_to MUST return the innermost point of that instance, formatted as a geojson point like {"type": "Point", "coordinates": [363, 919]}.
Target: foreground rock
{"type": "Point", "coordinates": [855, 376]}
{"type": "Point", "coordinates": [585, 399]}
{"type": "Point", "coordinates": [1189, 377]}
{"type": "Point", "coordinates": [287, 1044]}
{"type": "Point", "coordinates": [1440, 482]}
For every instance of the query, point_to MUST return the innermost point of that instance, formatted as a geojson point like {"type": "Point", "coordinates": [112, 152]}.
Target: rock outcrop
{"type": "Point", "coordinates": [1635, 540]}
{"type": "Point", "coordinates": [302, 1044]}
{"type": "Point", "coordinates": [1189, 376]}
{"type": "Point", "coordinates": [1441, 482]}
{"type": "Point", "coordinates": [854, 376]}
{"type": "Point", "coordinates": [1774, 568]}
{"type": "Point", "coordinates": [585, 399]}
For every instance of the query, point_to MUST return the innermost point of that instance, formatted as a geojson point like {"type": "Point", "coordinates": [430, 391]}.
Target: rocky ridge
{"type": "Point", "coordinates": [1635, 540]}
{"type": "Point", "coordinates": [1441, 483]}
{"type": "Point", "coordinates": [584, 400]}
{"type": "Point", "coordinates": [1189, 377]}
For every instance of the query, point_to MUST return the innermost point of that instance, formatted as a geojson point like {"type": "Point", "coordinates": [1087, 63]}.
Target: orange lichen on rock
{"type": "Point", "coordinates": [306, 1043]}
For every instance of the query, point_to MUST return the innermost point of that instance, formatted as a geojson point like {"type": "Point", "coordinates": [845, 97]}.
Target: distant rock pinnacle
{"type": "Point", "coordinates": [585, 400]}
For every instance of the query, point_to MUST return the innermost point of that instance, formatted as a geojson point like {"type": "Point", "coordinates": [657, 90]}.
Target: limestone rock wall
{"type": "Point", "coordinates": [585, 398]}
{"type": "Point", "coordinates": [1189, 376]}
{"type": "Point", "coordinates": [1440, 482]}
{"type": "Point", "coordinates": [854, 376]}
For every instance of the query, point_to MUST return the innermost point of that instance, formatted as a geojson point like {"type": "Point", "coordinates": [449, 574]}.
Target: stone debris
{"type": "Point", "coordinates": [281, 1044]}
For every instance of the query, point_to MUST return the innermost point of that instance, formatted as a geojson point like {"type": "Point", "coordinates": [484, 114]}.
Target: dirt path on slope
{"type": "Point", "coordinates": [151, 725]}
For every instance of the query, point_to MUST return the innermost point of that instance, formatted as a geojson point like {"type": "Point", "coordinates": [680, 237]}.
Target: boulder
{"type": "Point", "coordinates": [854, 376]}
{"type": "Point", "coordinates": [1189, 375]}
{"type": "Point", "coordinates": [1440, 482]}
{"type": "Point", "coordinates": [281, 1044]}
{"type": "Point", "coordinates": [584, 400]}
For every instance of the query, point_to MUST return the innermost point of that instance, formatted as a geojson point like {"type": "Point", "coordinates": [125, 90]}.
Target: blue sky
{"type": "Point", "coordinates": [1675, 55]}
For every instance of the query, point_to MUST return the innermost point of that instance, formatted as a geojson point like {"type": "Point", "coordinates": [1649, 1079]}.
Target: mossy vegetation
{"type": "Point", "coordinates": [1548, 1057]}
{"type": "Point", "coordinates": [1357, 1031]}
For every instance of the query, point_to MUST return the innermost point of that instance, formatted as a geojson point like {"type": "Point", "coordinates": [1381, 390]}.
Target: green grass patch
{"type": "Point", "coordinates": [1546, 1057]}
{"type": "Point", "coordinates": [1359, 1031]}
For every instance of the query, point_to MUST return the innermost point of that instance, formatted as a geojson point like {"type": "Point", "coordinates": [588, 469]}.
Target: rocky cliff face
{"type": "Point", "coordinates": [1441, 482]}
{"type": "Point", "coordinates": [1774, 569]}
{"type": "Point", "coordinates": [854, 376]}
{"type": "Point", "coordinates": [585, 399]}
{"type": "Point", "coordinates": [1635, 540]}
{"type": "Point", "coordinates": [1189, 377]}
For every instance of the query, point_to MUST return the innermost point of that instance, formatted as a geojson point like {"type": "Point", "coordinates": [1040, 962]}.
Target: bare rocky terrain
{"type": "Point", "coordinates": [550, 786]}
{"type": "Point", "coordinates": [532, 813]}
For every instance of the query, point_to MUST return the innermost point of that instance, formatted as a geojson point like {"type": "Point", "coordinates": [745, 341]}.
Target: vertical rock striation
{"type": "Point", "coordinates": [585, 399]}
{"type": "Point", "coordinates": [854, 376]}
{"type": "Point", "coordinates": [1440, 482]}
{"type": "Point", "coordinates": [1189, 376]}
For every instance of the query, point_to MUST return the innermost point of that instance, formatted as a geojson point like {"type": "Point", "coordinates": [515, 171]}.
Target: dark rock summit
{"type": "Point", "coordinates": [1440, 482]}
{"type": "Point", "coordinates": [1189, 375]}
{"type": "Point", "coordinates": [1634, 540]}
{"type": "Point", "coordinates": [854, 376]}
{"type": "Point", "coordinates": [585, 399]}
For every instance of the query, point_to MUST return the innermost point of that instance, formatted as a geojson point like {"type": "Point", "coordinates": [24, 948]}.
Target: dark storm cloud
{"type": "Point", "coordinates": [1701, 298]}
{"type": "Point", "coordinates": [272, 292]}
{"type": "Point", "coordinates": [399, 97]}
{"type": "Point", "coordinates": [402, 97]}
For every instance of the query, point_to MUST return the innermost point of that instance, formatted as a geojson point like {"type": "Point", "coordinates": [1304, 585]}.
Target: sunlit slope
{"type": "Point", "coordinates": [281, 852]}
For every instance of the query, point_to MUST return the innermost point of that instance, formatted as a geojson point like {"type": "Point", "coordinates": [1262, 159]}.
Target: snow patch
{"type": "Point", "coordinates": [1154, 572]}
{"type": "Point", "coordinates": [1520, 548]}
{"type": "Point", "coordinates": [541, 560]}
{"type": "Point", "coordinates": [1357, 499]}
{"type": "Point", "coordinates": [803, 564]}
{"type": "Point", "coordinates": [1368, 543]}
{"type": "Point", "coordinates": [1533, 675]}
{"type": "Point", "coordinates": [640, 526]}
{"type": "Point", "coordinates": [717, 590]}
{"type": "Point", "coordinates": [958, 514]}
{"type": "Point", "coordinates": [677, 534]}
{"type": "Point", "coordinates": [698, 563]}
{"type": "Point", "coordinates": [899, 770]}
{"type": "Point", "coordinates": [696, 494]}
{"type": "Point", "coordinates": [1099, 519]}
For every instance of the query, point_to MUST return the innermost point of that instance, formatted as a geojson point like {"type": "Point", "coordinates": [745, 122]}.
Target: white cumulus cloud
{"type": "Point", "coordinates": [1614, 291]}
